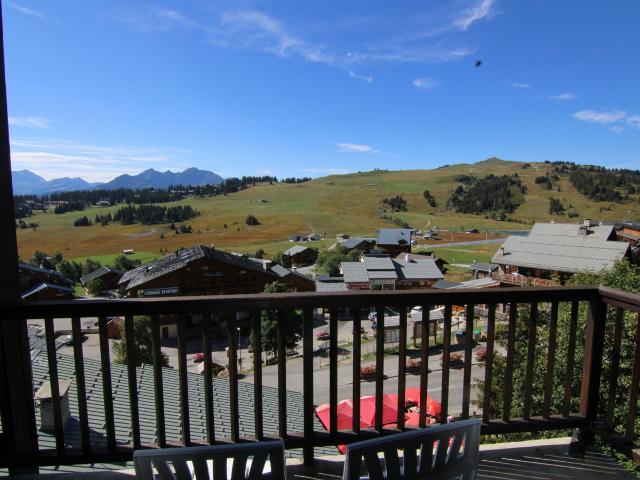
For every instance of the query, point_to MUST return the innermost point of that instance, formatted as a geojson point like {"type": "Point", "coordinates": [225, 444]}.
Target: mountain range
{"type": "Point", "coordinates": [26, 182]}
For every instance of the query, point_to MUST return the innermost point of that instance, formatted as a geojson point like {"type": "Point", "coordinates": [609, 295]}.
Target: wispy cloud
{"type": "Point", "coordinates": [27, 11]}
{"type": "Point", "coordinates": [29, 122]}
{"type": "Point", "coordinates": [50, 158]}
{"type": "Point", "coordinates": [425, 83]}
{"type": "Point", "coordinates": [482, 9]}
{"type": "Point", "coordinates": [159, 20]}
{"type": "Point", "coordinates": [602, 117]}
{"type": "Point", "coordinates": [256, 30]}
{"type": "Point", "coordinates": [563, 97]}
{"type": "Point", "coordinates": [617, 120]}
{"type": "Point", "coordinates": [356, 148]}
{"type": "Point", "coordinates": [633, 121]}
{"type": "Point", "coordinates": [520, 85]}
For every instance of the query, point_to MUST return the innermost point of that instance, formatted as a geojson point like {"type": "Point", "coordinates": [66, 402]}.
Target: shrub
{"type": "Point", "coordinates": [251, 220]}
{"type": "Point", "coordinates": [367, 371]}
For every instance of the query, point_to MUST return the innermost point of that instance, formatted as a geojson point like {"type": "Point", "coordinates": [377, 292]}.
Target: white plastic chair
{"type": "Point", "coordinates": [244, 461]}
{"type": "Point", "coordinates": [441, 452]}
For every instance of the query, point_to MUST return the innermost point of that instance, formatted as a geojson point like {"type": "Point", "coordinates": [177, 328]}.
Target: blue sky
{"type": "Point", "coordinates": [293, 88]}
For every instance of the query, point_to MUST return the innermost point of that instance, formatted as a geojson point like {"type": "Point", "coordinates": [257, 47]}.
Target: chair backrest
{"type": "Point", "coordinates": [244, 461]}
{"type": "Point", "coordinates": [440, 452]}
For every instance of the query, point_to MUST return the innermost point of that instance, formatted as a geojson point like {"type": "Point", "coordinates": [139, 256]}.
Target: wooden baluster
{"type": "Point", "coordinates": [107, 391]}
{"type": "Point", "coordinates": [357, 353]}
{"type": "Point", "coordinates": [402, 366]}
{"type": "Point", "coordinates": [282, 375]}
{"type": "Point", "coordinates": [52, 359]}
{"type": "Point", "coordinates": [379, 366]}
{"type": "Point", "coordinates": [83, 413]}
{"type": "Point", "coordinates": [615, 366]}
{"type": "Point", "coordinates": [571, 354]}
{"type": "Point", "coordinates": [488, 364]}
{"type": "Point", "coordinates": [531, 353]}
{"type": "Point", "coordinates": [446, 351]}
{"type": "Point", "coordinates": [307, 384]}
{"type": "Point", "coordinates": [333, 371]}
{"type": "Point", "coordinates": [257, 374]}
{"type": "Point", "coordinates": [208, 377]}
{"type": "Point", "coordinates": [511, 347]}
{"type": "Point", "coordinates": [551, 359]}
{"type": "Point", "coordinates": [232, 336]}
{"type": "Point", "coordinates": [468, 346]}
{"type": "Point", "coordinates": [424, 363]}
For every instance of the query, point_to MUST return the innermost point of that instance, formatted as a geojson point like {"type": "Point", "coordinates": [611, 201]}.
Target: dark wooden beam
{"type": "Point", "coordinates": [18, 412]}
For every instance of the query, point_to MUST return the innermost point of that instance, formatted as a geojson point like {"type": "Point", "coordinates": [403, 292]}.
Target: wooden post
{"type": "Point", "coordinates": [592, 369]}
{"type": "Point", "coordinates": [18, 412]}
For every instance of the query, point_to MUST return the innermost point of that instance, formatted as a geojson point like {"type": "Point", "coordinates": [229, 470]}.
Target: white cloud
{"type": "Point", "coordinates": [602, 117]}
{"type": "Point", "coordinates": [633, 121]}
{"type": "Point", "coordinates": [469, 16]}
{"type": "Point", "coordinates": [425, 83]}
{"type": "Point", "coordinates": [563, 97]}
{"type": "Point", "coordinates": [56, 158]}
{"type": "Point", "coordinates": [355, 148]}
{"type": "Point", "coordinates": [29, 122]}
{"type": "Point", "coordinates": [159, 20]}
{"type": "Point", "coordinates": [256, 30]}
{"type": "Point", "coordinates": [27, 11]}
{"type": "Point", "coordinates": [520, 85]}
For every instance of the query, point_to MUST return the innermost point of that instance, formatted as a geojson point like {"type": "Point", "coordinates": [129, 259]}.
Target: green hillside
{"type": "Point", "coordinates": [329, 205]}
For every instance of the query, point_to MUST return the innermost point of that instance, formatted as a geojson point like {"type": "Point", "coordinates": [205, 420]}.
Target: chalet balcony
{"type": "Point", "coordinates": [565, 360]}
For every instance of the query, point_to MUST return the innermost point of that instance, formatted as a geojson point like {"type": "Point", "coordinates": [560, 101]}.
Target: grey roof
{"type": "Point", "coordinates": [564, 254]}
{"type": "Point", "coordinates": [426, 269]}
{"type": "Point", "coordinates": [324, 286]}
{"type": "Point", "coordinates": [437, 314]}
{"type": "Point", "coordinates": [602, 232]}
{"type": "Point", "coordinates": [280, 270]}
{"type": "Point", "coordinates": [354, 272]}
{"type": "Point", "coordinates": [483, 267]}
{"type": "Point", "coordinates": [295, 250]}
{"type": "Point", "coordinates": [102, 271]}
{"type": "Point", "coordinates": [351, 243]}
{"type": "Point", "coordinates": [197, 409]}
{"type": "Point", "coordinates": [444, 284]}
{"type": "Point", "coordinates": [45, 271]}
{"type": "Point", "coordinates": [394, 236]}
{"type": "Point", "coordinates": [375, 262]}
{"type": "Point", "coordinates": [478, 283]}
{"type": "Point", "coordinates": [43, 286]}
{"type": "Point", "coordinates": [180, 259]}
{"type": "Point", "coordinates": [385, 268]}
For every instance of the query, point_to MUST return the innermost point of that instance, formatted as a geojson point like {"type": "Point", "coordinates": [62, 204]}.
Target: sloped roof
{"type": "Point", "coordinates": [426, 269]}
{"type": "Point", "coordinates": [354, 272]}
{"type": "Point", "coordinates": [197, 408]}
{"type": "Point", "coordinates": [483, 267]}
{"type": "Point", "coordinates": [44, 286]}
{"type": "Point", "coordinates": [180, 259]}
{"type": "Point", "coordinates": [324, 286]}
{"type": "Point", "coordinates": [602, 232]}
{"type": "Point", "coordinates": [102, 271]}
{"type": "Point", "coordinates": [444, 284]}
{"type": "Point", "coordinates": [375, 262]}
{"type": "Point", "coordinates": [29, 267]}
{"type": "Point", "coordinates": [570, 254]}
{"type": "Point", "coordinates": [478, 283]}
{"type": "Point", "coordinates": [295, 250]}
{"type": "Point", "coordinates": [394, 236]}
{"type": "Point", "coordinates": [351, 243]}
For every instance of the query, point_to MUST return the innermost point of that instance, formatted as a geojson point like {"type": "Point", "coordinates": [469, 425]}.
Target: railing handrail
{"type": "Point", "coordinates": [241, 302]}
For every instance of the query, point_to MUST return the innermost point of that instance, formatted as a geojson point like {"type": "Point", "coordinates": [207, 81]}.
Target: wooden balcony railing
{"type": "Point", "coordinates": [592, 320]}
{"type": "Point", "coordinates": [523, 280]}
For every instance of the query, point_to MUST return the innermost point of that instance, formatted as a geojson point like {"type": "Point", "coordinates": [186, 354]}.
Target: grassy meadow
{"type": "Point", "coordinates": [329, 205]}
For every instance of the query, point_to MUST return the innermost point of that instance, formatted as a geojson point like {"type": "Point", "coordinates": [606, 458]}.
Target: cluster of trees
{"type": "Point", "coordinates": [82, 222]}
{"type": "Point", "coordinates": [397, 203]}
{"type": "Point", "coordinates": [103, 219]}
{"type": "Point", "coordinates": [21, 210]}
{"type": "Point", "coordinates": [546, 181]}
{"type": "Point", "coordinates": [605, 185]}
{"type": "Point", "coordinates": [431, 200]}
{"type": "Point", "coordinates": [555, 206]}
{"type": "Point", "coordinates": [154, 214]}
{"type": "Point", "coordinates": [73, 206]}
{"type": "Point", "coordinates": [251, 220]}
{"type": "Point", "coordinates": [180, 229]}
{"type": "Point", "coordinates": [623, 276]}
{"type": "Point", "coordinates": [488, 194]}
{"type": "Point", "coordinates": [296, 180]}
{"type": "Point", "coordinates": [328, 261]}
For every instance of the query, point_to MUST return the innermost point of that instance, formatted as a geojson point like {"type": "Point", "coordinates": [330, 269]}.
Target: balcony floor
{"type": "Point", "coordinates": [534, 460]}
